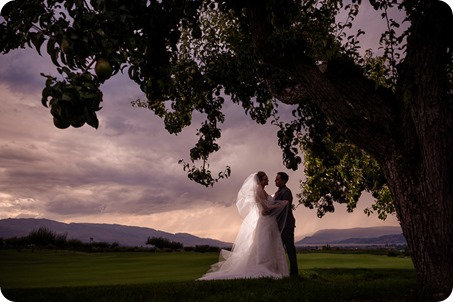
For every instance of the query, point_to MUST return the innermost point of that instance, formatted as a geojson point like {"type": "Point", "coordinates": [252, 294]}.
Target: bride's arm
{"type": "Point", "coordinates": [268, 206]}
{"type": "Point", "coordinates": [279, 204]}
{"type": "Point", "coordinates": [267, 209]}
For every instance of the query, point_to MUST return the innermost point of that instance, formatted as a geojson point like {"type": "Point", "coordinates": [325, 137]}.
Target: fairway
{"type": "Point", "coordinates": [50, 275]}
{"type": "Point", "coordinates": [366, 261]}
{"type": "Point", "coordinates": [63, 268]}
{"type": "Point", "coordinates": [41, 269]}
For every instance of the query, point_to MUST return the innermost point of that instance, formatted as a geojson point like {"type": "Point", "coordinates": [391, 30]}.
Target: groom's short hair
{"type": "Point", "coordinates": [283, 176]}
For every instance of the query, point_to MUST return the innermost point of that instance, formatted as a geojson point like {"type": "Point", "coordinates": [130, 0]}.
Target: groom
{"type": "Point", "coordinates": [287, 227]}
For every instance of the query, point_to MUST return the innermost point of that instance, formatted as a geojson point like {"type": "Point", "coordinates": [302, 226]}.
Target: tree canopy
{"type": "Point", "coordinates": [365, 121]}
{"type": "Point", "coordinates": [189, 56]}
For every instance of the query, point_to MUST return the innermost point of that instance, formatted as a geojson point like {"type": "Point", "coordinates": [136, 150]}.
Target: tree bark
{"type": "Point", "coordinates": [420, 169]}
{"type": "Point", "coordinates": [410, 133]}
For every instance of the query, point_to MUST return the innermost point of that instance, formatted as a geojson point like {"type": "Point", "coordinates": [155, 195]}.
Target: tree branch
{"type": "Point", "coordinates": [365, 114]}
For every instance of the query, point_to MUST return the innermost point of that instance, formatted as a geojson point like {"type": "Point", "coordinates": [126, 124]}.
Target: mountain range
{"type": "Point", "coordinates": [137, 236]}
{"type": "Point", "coordinates": [369, 236]}
{"type": "Point", "coordinates": [86, 232]}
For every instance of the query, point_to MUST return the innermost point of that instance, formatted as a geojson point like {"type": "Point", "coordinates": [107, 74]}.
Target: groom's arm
{"type": "Point", "coordinates": [268, 208]}
{"type": "Point", "coordinates": [287, 195]}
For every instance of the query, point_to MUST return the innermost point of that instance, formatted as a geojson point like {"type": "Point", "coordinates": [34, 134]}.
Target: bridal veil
{"type": "Point", "coordinates": [241, 261]}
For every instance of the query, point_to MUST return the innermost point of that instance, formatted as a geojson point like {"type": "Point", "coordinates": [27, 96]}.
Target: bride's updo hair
{"type": "Point", "coordinates": [260, 175]}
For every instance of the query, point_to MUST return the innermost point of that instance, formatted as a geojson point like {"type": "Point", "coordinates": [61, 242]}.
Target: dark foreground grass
{"type": "Point", "coordinates": [164, 277]}
{"type": "Point", "coordinates": [313, 285]}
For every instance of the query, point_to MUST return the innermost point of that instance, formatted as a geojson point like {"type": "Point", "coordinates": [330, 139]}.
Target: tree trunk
{"type": "Point", "coordinates": [424, 207]}
{"type": "Point", "coordinates": [420, 170]}
{"type": "Point", "coordinates": [410, 133]}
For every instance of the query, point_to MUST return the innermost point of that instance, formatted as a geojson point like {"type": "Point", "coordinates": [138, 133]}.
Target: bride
{"type": "Point", "coordinates": [258, 250]}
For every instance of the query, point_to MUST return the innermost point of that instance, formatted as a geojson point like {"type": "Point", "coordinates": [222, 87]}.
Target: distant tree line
{"type": "Point", "coordinates": [44, 238]}
{"type": "Point", "coordinates": [165, 244]}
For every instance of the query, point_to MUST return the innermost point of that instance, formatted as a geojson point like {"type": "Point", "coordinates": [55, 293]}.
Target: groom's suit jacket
{"type": "Point", "coordinates": [284, 193]}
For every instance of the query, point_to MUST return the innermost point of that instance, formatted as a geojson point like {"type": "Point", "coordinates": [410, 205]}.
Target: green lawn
{"type": "Point", "coordinates": [368, 261]}
{"type": "Point", "coordinates": [141, 276]}
{"type": "Point", "coordinates": [61, 268]}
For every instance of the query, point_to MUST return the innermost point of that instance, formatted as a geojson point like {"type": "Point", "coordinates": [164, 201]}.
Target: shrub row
{"type": "Point", "coordinates": [44, 238]}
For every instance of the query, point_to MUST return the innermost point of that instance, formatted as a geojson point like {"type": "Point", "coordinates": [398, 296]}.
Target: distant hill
{"type": "Point", "coordinates": [124, 235]}
{"type": "Point", "coordinates": [381, 240]}
{"type": "Point", "coordinates": [137, 236]}
{"type": "Point", "coordinates": [372, 236]}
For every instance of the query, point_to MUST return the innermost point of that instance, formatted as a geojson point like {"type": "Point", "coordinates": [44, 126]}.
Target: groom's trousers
{"type": "Point", "coordinates": [288, 242]}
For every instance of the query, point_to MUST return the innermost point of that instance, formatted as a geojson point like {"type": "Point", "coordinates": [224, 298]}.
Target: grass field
{"type": "Point", "coordinates": [28, 269]}
{"type": "Point", "coordinates": [139, 276]}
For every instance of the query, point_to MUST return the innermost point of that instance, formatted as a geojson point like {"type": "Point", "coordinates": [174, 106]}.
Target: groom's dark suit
{"type": "Point", "coordinates": [287, 229]}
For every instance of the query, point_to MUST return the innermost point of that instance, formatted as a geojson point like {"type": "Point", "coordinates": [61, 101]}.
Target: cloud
{"type": "Point", "coordinates": [127, 166]}
{"type": "Point", "coordinates": [127, 171]}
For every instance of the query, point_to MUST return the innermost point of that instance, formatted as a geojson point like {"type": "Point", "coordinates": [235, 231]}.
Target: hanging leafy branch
{"type": "Point", "coordinates": [186, 57]}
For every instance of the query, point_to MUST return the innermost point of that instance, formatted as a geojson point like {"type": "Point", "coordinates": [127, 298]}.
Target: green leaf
{"type": "Point", "coordinates": [52, 51]}
{"type": "Point", "coordinates": [46, 93]}
{"type": "Point", "coordinates": [92, 119]}
{"type": "Point", "coordinates": [37, 41]}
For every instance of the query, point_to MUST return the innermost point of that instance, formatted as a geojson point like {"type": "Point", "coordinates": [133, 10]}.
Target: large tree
{"type": "Point", "coordinates": [366, 122]}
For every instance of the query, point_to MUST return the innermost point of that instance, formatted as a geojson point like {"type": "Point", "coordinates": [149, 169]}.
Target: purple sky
{"type": "Point", "coordinates": [127, 171]}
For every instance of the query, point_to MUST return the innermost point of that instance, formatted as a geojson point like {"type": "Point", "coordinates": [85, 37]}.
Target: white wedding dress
{"type": "Point", "coordinates": [258, 250]}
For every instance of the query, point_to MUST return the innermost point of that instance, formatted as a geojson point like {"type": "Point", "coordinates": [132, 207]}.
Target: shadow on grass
{"type": "Point", "coordinates": [313, 285]}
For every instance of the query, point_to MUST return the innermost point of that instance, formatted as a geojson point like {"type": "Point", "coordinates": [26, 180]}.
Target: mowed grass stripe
{"type": "Point", "coordinates": [368, 261]}
{"type": "Point", "coordinates": [61, 268]}
{"type": "Point", "coordinates": [42, 269]}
